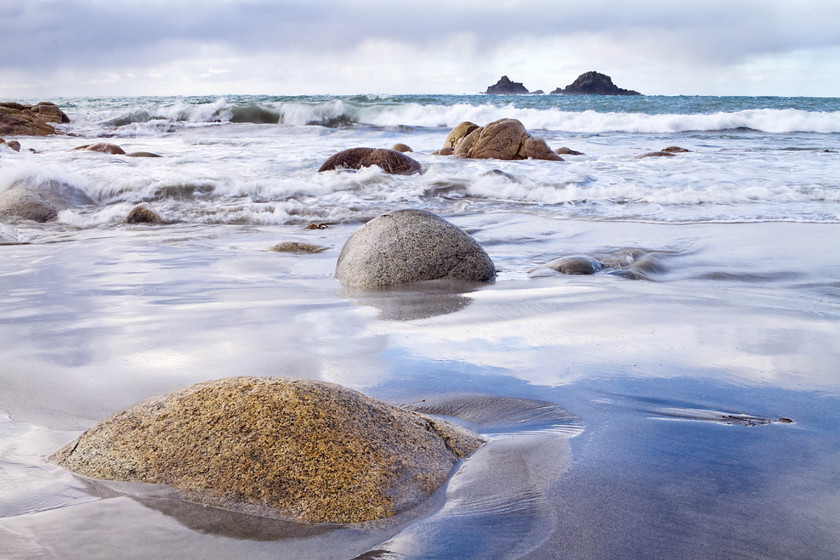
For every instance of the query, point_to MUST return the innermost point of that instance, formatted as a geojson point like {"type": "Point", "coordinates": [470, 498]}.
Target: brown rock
{"type": "Point", "coordinates": [402, 148]}
{"type": "Point", "coordinates": [458, 133]}
{"type": "Point", "coordinates": [389, 161]}
{"type": "Point", "coordinates": [674, 150]}
{"type": "Point", "coordinates": [143, 214]}
{"type": "Point", "coordinates": [304, 450]}
{"type": "Point", "coordinates": [655, 154]}
{"type": "Point", "coordinates": [29, 120]}
{"type": "Point", "coordinates": [503, 139]}
{"type": "Point", "coordinates": [23, 203]}
{"type": "Point", "coordinates": [102, 147]}
{"type": "Point", "coordinates": [564, 151]}
{"type": "Point", "coordinates": [444, 152]}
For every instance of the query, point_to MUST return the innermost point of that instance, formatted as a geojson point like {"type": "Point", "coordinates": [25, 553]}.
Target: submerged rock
{"type": "Point", "coordinates": [390, 161]}
{"type": "Point", "coordinates": [23, 203]}
{"type": "Point", "coordinates": [655, 154]}
{"type": "Point", "coordinates": [297, 247]}
{"type": "Point", "coordinates": [143, 214]}
{"type": "Point", "coordinates": [506, 87]}
{"type": "Point", "coordinates": [503, 139]}
{"type": "Point", "coordinates": [30, 120]}
{"type": "Point", "coordinates": [575, 265]}
{"type": "Point", "coordinates": [411, 246]}
{"type": "Point", "coordinates": [593, 83]}
{"type": "Point", "coordinates": [299, 449]}
{"type": "Point", "coordinates": [102, 147]}
{"type": "Point", "coordinates": [674, 150]}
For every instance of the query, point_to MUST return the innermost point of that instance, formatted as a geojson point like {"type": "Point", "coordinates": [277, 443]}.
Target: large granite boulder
{"type": "Point", "coordinates": [503, 139]}
{"type": "Point", "coordinates": [593, 83]}
{"type": "Point", "coordinates": [506, 87]}
{"type": "Point", "coordinates": [30, 120]}
{"type": "Point", "coordinates": [407, 246]}
{"type": "Point", "coordinates": [298, 449]}
{"type": "Point", "coordinates": [26, 204]}
{"type": "Point", "coordinates": [390, 161]}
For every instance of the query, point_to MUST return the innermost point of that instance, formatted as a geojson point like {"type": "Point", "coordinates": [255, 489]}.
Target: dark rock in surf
{"type": "Point", "coordinates": [143, 214]}
{"type": "Point", "coordinates": [30, 120]}
{"type": "Point", "coordinates": [503, 139]}
{"type": "Point", "coordinates": [674, 150]}
{"type": "Point", "coordinates": [143, 155]}
{"type": "Point", "coordinates": [101, 147]}
{"type": "Point", "coordinates": [402, 148]}
{"type": "Point", "coordinates": [593, 83]}
{"type": "Point", "coordinates": [575, 265]}
{"type": "Point", "coordinates": [655, 154]}
{"type": "Point", "coordinates": [407, 246]}
{"type": "Point", "coordinates": [304, 450]}
{"type": "Point", "coordinates": [390, 161]}
{"type": "Point", "coordinates": [26, 204]}
{"type": "Point", "coordinates": [506, 87]}
{"type": "Point", "coordinates": [11, 144]}
{"type": "Point", "coordinates": [564, 151]}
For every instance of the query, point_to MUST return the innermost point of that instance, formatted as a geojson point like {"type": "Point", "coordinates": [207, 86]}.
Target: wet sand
{"type": "Point", "coordinates": [628, 418]}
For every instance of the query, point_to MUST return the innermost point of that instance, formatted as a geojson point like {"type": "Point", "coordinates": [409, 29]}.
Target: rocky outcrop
{"type": "Point", "coordinates": [390, 161]}
{"type": "Point", "coordinates": [593, 83]}
{"type": "Point", "coordinates": [503, 139]}
{"type": "Point", "coordinates": [506, 87]}
{"type": "Point", "coordinates": [30, 120]}
{"type": "Point", "coordinates": [303, 450]}
{"type": "Point", "coordinates": [407, 246]}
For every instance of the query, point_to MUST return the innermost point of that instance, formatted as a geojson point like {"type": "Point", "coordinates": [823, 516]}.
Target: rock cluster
{"type": "Point", "coordinates": [407, 246]}
{"type": "Point", "coordinates": [30, 120]}
{"type": "Point", "coordinates": [503, 139]}
{"type": "Point", "coordinates": [506, 87]}
{"type": "Point", "coordinates": [593, 83]}
{"type": "Point", "coordinates": [298, 449]}
{"type": "Point", "coordinates": [390, 161]}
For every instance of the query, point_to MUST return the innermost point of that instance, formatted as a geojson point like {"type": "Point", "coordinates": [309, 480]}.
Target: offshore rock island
{"type": "Point", "coordinates": [588, 83]}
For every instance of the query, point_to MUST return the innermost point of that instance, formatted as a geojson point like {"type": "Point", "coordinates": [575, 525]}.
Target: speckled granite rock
{"type": "Point", "coordinates": [23, 203]}
{"type": "Point", "coordinates": [411, 246]}
{"type": "Point", "coordinates": [299, 449]}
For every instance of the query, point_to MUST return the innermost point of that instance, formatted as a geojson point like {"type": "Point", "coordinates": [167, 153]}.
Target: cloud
{"type": "Point", "coordinates": [467, 43]}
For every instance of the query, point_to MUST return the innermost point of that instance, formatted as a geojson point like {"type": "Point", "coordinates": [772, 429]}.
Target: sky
{"type": "Point", "coordinates": [67, 48]}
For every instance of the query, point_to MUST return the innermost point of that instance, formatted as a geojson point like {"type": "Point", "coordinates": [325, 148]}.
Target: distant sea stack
{"type": "Point", "coordinates": [505, 87]}
{"type": "Point", "coordinates": [593, 83]}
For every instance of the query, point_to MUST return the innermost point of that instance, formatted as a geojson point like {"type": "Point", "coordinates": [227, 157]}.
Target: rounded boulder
{"type": "Point", "coordinates": [407, 246]}
{"type": "Point", "coordinates": [298, 449]}
{"type": "Point", "coordinates": [23, 203]}
{"type": "Point", "coordinates": [390, 161]}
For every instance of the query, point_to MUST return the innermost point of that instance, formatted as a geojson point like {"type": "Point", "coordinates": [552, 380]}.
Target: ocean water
{"type": "Point", "coordinates": [682, 404]}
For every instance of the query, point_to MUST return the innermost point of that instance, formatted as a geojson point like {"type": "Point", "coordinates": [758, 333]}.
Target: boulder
{"type": "Point", "coordinates": [506, 87]}
{"type": "Point", "coordinates": [143, 214]}
{"type": "Point", "coordinates": [411, 246]}
{"type": "Point", "coordinates": [461, 131]}
{"type": "Point", "coordinates": [102, 147]}
{"type": "Point", "coordinates": [564, 151]}
{"type": "Point", "coordinates": [593, 83]}
{"type": "Point", "coordinates": [304, 450]}
{"type": "Point", "coordinates": [402, 148]}
{"type": "Point", "coordinates": [30, 120]}
{"type": "Point", "coordinates": [575, 265]}
{"type": "Point", "coordinates": [503, 139]}
{"type": "Point", "coordinates": [390, 161]}
{"type": "Point", "coordinates": [26, 204]}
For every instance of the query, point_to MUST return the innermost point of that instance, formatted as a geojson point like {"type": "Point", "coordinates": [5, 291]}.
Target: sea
{"type": "Point", "coordinates": [682, 402]}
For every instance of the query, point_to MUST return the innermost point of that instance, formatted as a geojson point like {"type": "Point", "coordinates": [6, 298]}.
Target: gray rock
{"type": "Point", "coordinates": [23, 203]}
{"type": "Point", "coordinates": [291, 448]}
{"type": "Point", "coordinates": [576, 264]}
{"type": "Point", "coordinates": [411, 246]}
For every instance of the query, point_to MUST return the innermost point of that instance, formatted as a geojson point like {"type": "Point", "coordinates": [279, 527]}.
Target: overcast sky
{"type": "Point", "coordinates": [62, 48]}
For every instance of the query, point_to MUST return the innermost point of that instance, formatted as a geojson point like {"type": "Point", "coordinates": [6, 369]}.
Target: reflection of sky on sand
{"type": "Point", "coordinates": [552, 333]}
